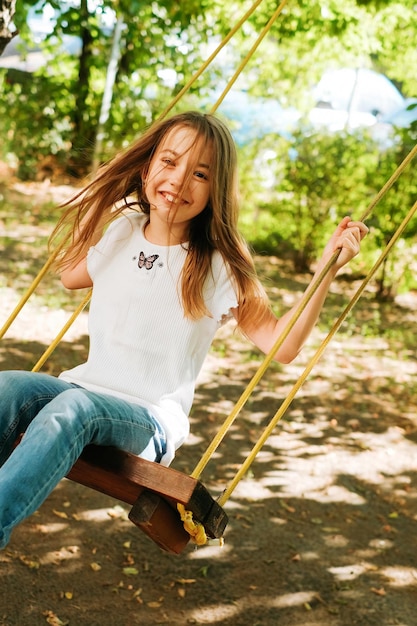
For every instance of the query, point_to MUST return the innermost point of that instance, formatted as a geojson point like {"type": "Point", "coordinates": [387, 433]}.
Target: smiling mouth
{"type": "Point", "coordinates": [172, 198]}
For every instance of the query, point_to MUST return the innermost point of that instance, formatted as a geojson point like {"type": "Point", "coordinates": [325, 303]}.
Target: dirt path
{"type": "Point", "coordinates": [322, 530]}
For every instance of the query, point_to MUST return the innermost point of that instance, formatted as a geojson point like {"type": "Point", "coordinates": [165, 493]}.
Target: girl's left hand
{"type": "Point", "coordinates": [347, 237]}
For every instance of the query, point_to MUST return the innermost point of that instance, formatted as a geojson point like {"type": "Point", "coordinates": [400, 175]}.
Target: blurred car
{"type": "Point", "coordinates": [344, 99]}
{"type": "Point", "coordinates": [404, 116]}
{"type": "Point", "coordinates": [353, 98]}
{"type": "Point", "coordinates": [252, 118]}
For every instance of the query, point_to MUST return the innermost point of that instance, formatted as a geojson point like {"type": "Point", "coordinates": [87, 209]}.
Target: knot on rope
{"type": "Point", "coordinates": [194, 529]}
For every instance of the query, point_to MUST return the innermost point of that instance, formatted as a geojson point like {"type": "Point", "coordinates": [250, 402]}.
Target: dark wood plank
{"type": "Point", "coordinates": [153, 491]}
{"type": "Point", "coordinates": [125, 476]}
{"type": "Point", "coordinates": [159, 521]}
{"type": "Point", "coordinates": [119, 473]}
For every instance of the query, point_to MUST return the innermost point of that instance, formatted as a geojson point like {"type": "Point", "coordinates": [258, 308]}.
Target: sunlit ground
{"type": "Point", "coordinates": [322, 527]}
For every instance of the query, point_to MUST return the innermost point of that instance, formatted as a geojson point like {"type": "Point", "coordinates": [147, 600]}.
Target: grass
{"type": "Point", "coordinates": [27, 221]}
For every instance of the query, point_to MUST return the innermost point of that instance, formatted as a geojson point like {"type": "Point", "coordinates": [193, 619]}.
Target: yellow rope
{"type": "Point", "coordinates": [194, 529]}
{"type": "Point", "coordinates": [27, 295]}
{"type": "Point", "coordinates": [250, 54]}
{"type": "Point", "coordinates": [389, 182]}
{"type": "Point", "coordinates": [50, 261]}
{"type": "Point", "coordinates": [210, 59]}
{"type": "Point", "coordinates": [219, 436]}
{"type": "Point", "coordinates": [185, 515]}
{"type": "Point", "coordinates": [259, 373]}
{"type": "Point", "coordinates": [62, 332]}
{"type": "Point", "coordinates": [278, 415]}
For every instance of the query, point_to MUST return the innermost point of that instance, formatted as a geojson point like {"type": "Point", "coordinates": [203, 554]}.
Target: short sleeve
{"type": "Point", "coordinates": [115, 236]}
{"type": "Point", "coordinates": [223, 290]}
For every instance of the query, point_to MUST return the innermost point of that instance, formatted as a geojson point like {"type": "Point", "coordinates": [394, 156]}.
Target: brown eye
{"type": "Point", "coordinates": [201, 175]}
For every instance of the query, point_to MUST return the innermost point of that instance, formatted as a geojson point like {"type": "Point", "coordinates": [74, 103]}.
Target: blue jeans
{"type": "Point", "coordinates": [59, 419]}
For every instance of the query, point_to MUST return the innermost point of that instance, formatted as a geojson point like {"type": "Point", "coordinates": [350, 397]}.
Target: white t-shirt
{"type": "Point", "coordinates": [142, 347]}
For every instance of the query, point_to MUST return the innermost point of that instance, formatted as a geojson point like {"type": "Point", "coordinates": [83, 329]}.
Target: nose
{"type": "Point", "coordinates": [178, 176]}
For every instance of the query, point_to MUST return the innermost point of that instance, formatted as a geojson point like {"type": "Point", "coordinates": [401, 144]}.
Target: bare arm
{"type": "Point", "coordinates": [347, 238]}
{"type": "Point", "coordinates": [76, 276]}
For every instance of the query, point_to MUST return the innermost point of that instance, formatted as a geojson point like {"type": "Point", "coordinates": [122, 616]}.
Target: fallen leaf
{"type": "Point", "coordinates": [130, 571]}
{"type": "Point", "coordinates": [370, 567]}
{"type": "Point", "coordinates": [95, 567]}
{"type": "Point", "coordinates": [60, 514]}
{"type": "Point", "coordinates": [153, 605]}
{"type": "Point", "coordinates": [29, 562]}
{"type": "Point", "coordinates": [287, 507]}
{"type": "Point", "coordinates": [387, 528]}
{"type": "Point", "coordinates": [53, 619]}
{"type": "Point", "coordinates": [185, 581]}
{"type": "Point", "coordinates": [129, 559]}
{"type": "Point", "coordinates": [379, 592]}
{"type": "Point", "coordinates": [118, 512]}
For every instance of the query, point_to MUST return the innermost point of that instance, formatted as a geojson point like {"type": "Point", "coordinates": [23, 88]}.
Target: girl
{"type": "Point", "coordinates": [166, 273]}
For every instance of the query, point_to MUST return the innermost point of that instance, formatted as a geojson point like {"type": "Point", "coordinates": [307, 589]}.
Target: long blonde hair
{"type": "Point", "coordinates": [119, 185]}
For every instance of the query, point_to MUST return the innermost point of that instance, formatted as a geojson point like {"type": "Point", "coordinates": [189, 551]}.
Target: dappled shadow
{"type": "Point", "coordinates": [341, 553]}
{"type": "Point", "coordinates": [23, 355]}
{"type": "Point", "coordinates": [322, 527]}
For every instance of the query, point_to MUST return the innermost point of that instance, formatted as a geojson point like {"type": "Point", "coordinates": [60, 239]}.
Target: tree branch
{"type": "Point", "coordinates": [7, 11]}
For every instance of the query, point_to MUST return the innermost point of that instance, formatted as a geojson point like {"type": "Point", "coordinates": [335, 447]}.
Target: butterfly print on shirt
{"type": "Point", "coordinates": [147, 261]}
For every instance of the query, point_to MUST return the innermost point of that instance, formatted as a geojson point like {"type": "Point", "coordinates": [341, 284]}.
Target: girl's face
{"type": "Point", "coordinates": [178, 181]}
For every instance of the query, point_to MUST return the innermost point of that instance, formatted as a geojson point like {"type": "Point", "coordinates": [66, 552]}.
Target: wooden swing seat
{"type": "Point", "coordinates": [153, 491]}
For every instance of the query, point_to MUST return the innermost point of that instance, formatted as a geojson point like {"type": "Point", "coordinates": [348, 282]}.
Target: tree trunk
{"type": "Point", "coordinates": [108, 91]}
{"type": "Point", "coordinates": [83, 127]}
{"type": "Point", "coordinates": [7, 10]}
